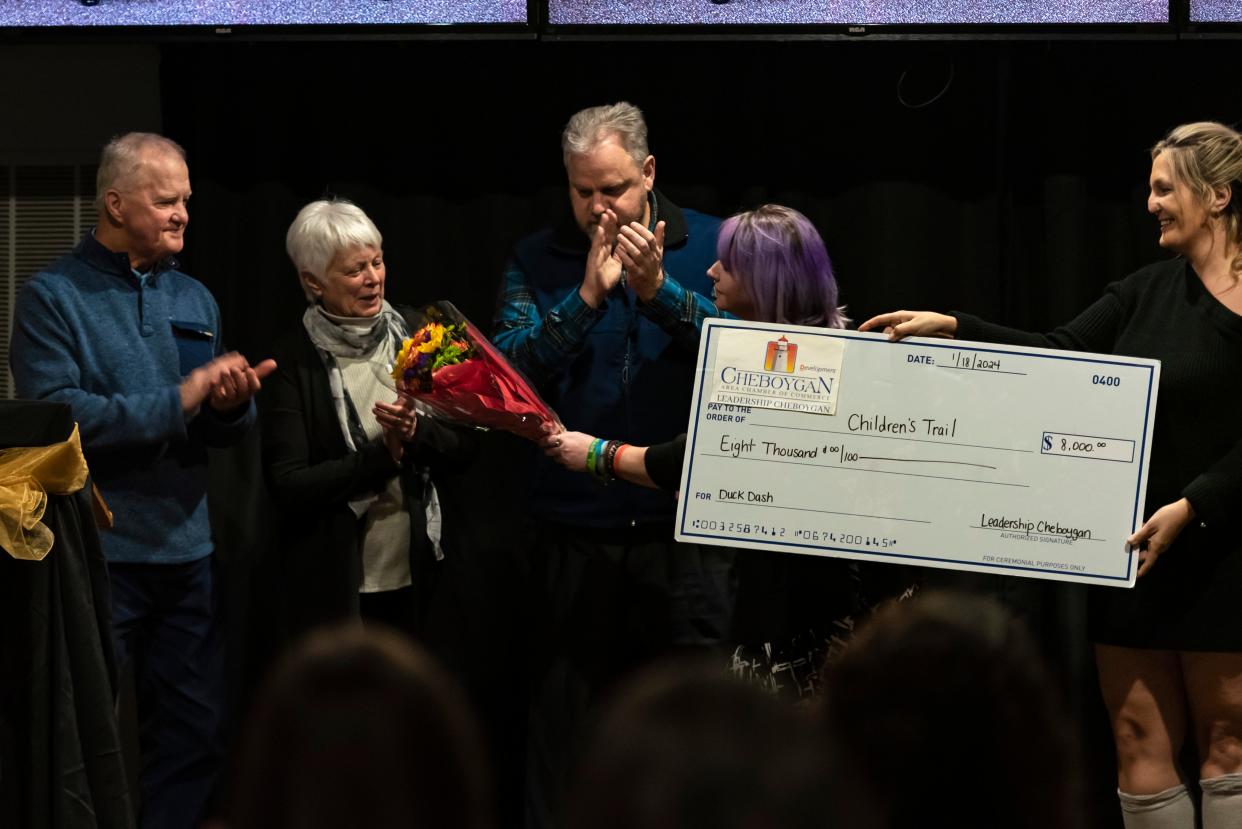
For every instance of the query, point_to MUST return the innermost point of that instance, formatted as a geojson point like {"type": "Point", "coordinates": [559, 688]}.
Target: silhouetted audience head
{"type": "Point", "coordinates": [941, 712]}
{"type": "Point", "coordinates": [360, 727]}
{"type": "Point", "coordinates": [695, 747]}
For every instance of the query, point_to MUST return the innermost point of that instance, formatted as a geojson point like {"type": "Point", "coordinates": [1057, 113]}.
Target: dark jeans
{"type": "Point", "coordinates": [164, 620]}
{"type": "Point", "coordinates": [609, 603]}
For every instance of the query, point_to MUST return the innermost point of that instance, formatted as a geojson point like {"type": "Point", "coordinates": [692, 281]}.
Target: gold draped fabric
{"type": "Point", "coordinates": [27, 475]}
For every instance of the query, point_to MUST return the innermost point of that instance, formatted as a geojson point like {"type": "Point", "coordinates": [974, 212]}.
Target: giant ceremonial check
{"type": "Point", "coordinates": [970, 456]}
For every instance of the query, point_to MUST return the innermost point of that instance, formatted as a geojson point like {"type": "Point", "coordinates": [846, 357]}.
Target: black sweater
{"type": "Point", "coordinates": [1164, 312]}
{"type": "Point", "coordinates": [312, 474]}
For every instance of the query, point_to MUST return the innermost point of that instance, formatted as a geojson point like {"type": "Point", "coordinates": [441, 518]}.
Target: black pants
{"type": "Point", "coordinates": [606, 604]}
{"type": "Point", "coordinates": [394, 608]}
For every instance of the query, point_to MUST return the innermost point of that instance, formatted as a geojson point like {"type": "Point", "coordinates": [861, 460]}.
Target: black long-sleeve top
{"type": "Point", "coordinates": [1163, 311]}
{"type": "Point", "coordinates": [312, 474]}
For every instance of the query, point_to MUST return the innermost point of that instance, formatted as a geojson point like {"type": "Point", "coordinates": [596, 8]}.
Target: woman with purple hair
{"type": "Point", "coordinates": [771, 266]}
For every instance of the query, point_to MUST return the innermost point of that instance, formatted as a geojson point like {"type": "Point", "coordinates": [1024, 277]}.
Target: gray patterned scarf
{"type": "Point", "coordinates": [335, 336]}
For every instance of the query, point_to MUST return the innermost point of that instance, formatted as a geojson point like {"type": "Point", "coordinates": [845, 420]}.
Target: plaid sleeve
{"type": "Point", "coordinates": [679, 312]}
{"type": "Point", "coordinates": [540, 345]}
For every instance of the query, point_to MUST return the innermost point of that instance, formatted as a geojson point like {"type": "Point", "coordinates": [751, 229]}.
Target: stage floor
{"type": "Point", "coordinates": [871, 12]}
{"type": "Point", "coordinates": [257, 12]}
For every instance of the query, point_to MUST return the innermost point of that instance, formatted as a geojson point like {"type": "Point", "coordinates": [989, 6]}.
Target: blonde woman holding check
{"type": "Point", "coordinates": [1169, 651]}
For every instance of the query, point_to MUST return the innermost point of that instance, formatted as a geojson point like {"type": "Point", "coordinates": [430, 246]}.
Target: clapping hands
{"type": "Point", "coordinates": [641, 252]}
{"type": "Point", "coordinates": [603, 269]}
{"type": "Point", "coordinates": [614, 247]}
{"type": "Point", "coordinates": [399, 420]}
{"type": "Point", "coordinates": [224, 383]}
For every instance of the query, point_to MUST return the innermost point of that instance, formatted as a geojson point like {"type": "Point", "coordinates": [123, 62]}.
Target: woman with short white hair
{"type": "Point", "coordinates": [352, 468]}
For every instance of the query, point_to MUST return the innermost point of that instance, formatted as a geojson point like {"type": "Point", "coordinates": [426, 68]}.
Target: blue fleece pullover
{"type": "Point", "coordinates": [90, 333]}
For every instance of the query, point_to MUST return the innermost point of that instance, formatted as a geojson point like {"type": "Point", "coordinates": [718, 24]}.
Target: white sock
{"type": "Point", "coordinates": [1222, 802]}
{"type": "Point", "coordinates": [1169, 809]}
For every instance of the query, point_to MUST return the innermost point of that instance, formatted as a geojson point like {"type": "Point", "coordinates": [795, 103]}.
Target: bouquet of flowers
{"type": "Point", "coordinates": [451, 368]}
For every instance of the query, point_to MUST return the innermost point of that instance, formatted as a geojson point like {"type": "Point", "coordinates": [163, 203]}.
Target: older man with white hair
{"type": "Point", "coordinates": [133, 345]}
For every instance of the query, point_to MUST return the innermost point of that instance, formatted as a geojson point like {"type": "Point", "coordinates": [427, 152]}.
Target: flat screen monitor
{"type": "Point", "coordinates": [856, 12]}
{"type": "Point", "coordinates": [1216, 11]}
{"type": "Point", "coordinates": [230, 13]}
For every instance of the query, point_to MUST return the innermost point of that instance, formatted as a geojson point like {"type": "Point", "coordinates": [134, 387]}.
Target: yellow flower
{"type": "Point", "coordinates": [398, 365]}
{"type": "Point", "coordinates": [434, 335]}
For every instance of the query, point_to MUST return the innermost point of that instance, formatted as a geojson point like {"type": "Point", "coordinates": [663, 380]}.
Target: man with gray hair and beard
{"type": "Point", "coordinates": [603, 313]}
{"type": "Point", "coordinates": [132, 345]}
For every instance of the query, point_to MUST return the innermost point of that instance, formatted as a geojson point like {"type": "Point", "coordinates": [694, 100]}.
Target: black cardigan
{"type": "Point", "coordinates": [312, 476]}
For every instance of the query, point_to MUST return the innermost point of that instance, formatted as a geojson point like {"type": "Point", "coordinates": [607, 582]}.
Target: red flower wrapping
{"type": "Point", "coordinates": [486, 390]}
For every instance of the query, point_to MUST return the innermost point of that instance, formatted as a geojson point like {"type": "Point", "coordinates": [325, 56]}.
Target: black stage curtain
{"type": "Point", "coordinates": [1006, 179]}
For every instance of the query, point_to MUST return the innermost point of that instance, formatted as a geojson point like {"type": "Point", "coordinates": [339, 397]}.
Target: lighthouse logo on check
{"type": "Point", "coordinates": [782, 355]}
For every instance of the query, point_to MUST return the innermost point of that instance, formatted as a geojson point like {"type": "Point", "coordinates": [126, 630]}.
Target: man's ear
{"type": "Point", "coordinates": [112, 205]}
{"type": "Point", "coordinates": [649, 172]}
